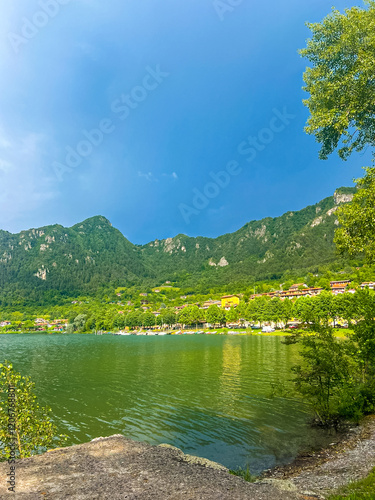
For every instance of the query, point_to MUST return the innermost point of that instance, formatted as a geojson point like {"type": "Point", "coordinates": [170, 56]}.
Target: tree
{"type": "Point", "coordinates": [69, 328]}
{"type": "Point", "coordinates": [324, 377]}
{"type": "Point", "coordinates": [256, 309]}
{"type": "Point", "coordinates": [232, 315]}
{"type": "Point", "coordinates": [286, 311]}
{"type": "Point", "coordinates": [149, 319]}
{"type": "Point", "coordinates": [241, 310]}
{"type": "Point", "coordinates": [195, 315]}
{"type": "Point", "coordinates": [364, 333]}
{"type": "Point", "coordinates": [341, 81]}
{"type": "Point", "coordinates": [222, 317]}
{"type": "Point", "coordinates": [213, 314]}
{"type": "Point", "coordinates": [118, 322]}
{"type": "Point", "coordinates": [29, 325]}
{"type": "Point", "coordinates": [275, 310]}
{"type": "Point", "coordinates": [168, 317]}
{"type": "Point", "coordinates": [305, 309]}
{"type": "Point", "coordinates": [344, 306]}
{"type": "Point", "coordinates": [79, 322]}
{"type": "Point", "coordinates": [357, 219]}
{"type": "Point", "coordinates": [325, 307]}
{"type": "Point", "coordinates": [183, 316]}
{"type": "Point", "coordinates": [191, 314]}
{"type": "Point", "coordinates": [25, 426]}
{"type": "Point", "coordinates": [133, 319]}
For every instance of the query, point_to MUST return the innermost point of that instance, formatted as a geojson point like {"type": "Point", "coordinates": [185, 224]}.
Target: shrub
{"type": "Point", "coordinates": [25, 426]}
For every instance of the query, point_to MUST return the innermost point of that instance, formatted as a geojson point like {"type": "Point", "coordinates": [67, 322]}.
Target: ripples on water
{"type": "Point", "coordinates": [208, 395]}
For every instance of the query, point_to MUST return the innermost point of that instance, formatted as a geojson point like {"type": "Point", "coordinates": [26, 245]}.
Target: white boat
{"type": "Point", "coordinates": [268, 329]}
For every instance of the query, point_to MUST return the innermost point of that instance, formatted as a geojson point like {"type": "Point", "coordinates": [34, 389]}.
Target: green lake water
{"type": "Point", "coordinates": [209, 395]}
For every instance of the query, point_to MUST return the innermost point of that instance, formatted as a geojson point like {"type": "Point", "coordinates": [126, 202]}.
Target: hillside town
{"type": "Point", "coordinates": [228, 311]}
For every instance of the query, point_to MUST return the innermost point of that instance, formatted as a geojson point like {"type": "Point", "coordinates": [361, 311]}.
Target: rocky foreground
{"type": "Point", "coordinates": [119, 468]}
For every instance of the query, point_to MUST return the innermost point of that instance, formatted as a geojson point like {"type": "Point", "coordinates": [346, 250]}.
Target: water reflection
{"type": "Point", "coordinates": [208, 395]}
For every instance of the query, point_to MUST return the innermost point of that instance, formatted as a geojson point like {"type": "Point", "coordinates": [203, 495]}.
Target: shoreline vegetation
{"type": "Point", "coordinates": [340, 333]}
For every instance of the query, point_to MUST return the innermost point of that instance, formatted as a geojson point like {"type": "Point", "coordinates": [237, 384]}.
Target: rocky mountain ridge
{"type": "Point", "coordinates": [93, 253]}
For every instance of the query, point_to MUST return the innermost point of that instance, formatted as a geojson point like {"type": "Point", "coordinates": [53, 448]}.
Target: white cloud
{"type": "Point", "coordinates": [173, 175]}
{"type": "Point", "coordinates": [149, 176]}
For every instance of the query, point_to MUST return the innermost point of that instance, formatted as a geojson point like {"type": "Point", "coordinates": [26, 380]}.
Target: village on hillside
{"type": "Point", "coordinates": [211, 313]}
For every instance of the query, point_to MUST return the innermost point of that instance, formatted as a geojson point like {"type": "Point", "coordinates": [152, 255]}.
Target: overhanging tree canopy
{"type": "Point", "coordinates": [341, 81]}
{"type": "Point", "coordinates": [357, 219]}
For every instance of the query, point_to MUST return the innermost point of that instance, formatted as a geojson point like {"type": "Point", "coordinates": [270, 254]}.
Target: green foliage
{"type": "Point", "coordinates": [244, 473]}
{"type": "Point", "coordinates": [358, 490]}
{"type": "Point", "coordinates": [232, 315]}
{"type": "Point", "coordinates": [214, 315]}
{"type": "Point", "coordinates": [341, 80]}
{"type": "Point", "coordinates": [168, 317]}
{"type": "Point", "coordinates": [33, 430]}
{"type": "Point", "coordinates": [79, 322]}
{"type": "Point", "coordinates": [322, 378]}
{"type": "Point", "coordinates": [191, 315]}
{"type": "Point", "coordinates": [338, 376]}
{"type": "Point", "coordinates": [357, 219]}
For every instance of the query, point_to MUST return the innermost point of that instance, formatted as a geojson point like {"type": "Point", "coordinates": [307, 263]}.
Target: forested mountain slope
{"type": "Point", "coordinates": [75, 259]}
{"type": "Point", "coordinates": [92, 254]}
{"type": "Point", "coordinates": [296, 240]}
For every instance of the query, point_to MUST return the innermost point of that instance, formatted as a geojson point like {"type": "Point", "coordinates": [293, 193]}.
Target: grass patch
{"type": "Point", "coordinates": [360, 490]}
{"type": "Point", "coordinates": [343, 332]}
{"type": "Point", "coordinates": [244, 473]}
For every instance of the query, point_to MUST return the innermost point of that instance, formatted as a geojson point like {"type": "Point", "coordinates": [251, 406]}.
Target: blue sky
{"type": "Point", "coordinates": [141, 110]}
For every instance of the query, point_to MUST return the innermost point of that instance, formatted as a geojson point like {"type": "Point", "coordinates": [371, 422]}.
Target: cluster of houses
{"type": "Point", "coordinates": [58, 325]}
{"type": "Point", "coordinates": [295, 291]}
{"type": "Point", "coordinates": [41, 324]}
{"type": "Point", "coordinates": [302, 290]}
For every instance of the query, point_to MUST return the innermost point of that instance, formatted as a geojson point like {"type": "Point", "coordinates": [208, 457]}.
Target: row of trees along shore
{"type": "Point", "coordinates": [336, 309]}
{"type": "Point", "coordinates": [323, 308]}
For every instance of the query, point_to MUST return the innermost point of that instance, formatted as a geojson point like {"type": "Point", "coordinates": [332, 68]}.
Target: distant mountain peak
{"type": "Point", "coordinates": [98, 221]}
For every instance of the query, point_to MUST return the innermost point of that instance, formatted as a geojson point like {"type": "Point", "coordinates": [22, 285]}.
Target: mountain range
{"type": "Point", "coordinates": [93, 254]}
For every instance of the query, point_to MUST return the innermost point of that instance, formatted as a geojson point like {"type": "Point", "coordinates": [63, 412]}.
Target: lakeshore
{"type": "Point", "coordinates": [349, 458]}
{"type": "Point", "coordinates": [339, 332]}
{"type": "Point", "coordinates": [231, 379]}
{"type": "Point", "coordinates": [117, 467]}
{"type": "Point", "coordinates": [216, 396]}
